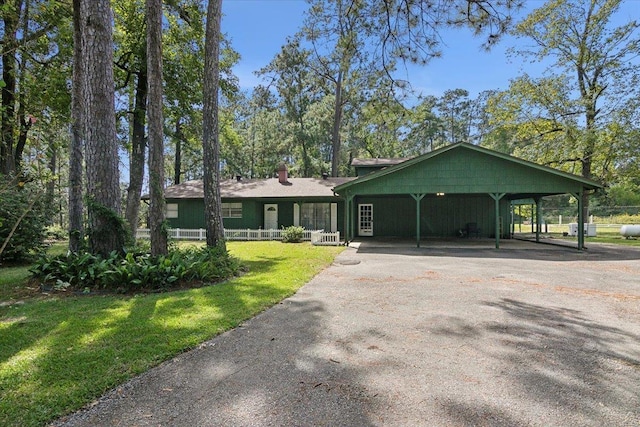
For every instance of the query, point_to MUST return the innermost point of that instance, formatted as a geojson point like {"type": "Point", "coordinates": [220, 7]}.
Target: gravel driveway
{"type": "Point", "coordinates": [528, 335]}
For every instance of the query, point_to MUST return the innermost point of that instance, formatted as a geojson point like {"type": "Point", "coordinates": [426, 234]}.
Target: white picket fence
{"type": "Point", "coordinates": [317, 238]}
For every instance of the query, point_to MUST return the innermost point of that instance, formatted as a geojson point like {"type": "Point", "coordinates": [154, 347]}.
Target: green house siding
{"type": "Point", "coordinates": [191, 213]}
{"type": "Point", "coordinates": [463, 172]}
{"type": "Point", "coordinates": [395, 216]}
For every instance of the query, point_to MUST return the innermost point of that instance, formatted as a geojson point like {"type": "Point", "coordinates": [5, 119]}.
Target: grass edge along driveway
{"type": "Point", "coordinates": [59, 354]}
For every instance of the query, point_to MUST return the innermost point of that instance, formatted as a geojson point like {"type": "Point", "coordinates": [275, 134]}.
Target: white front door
{"type": "Point", "coordinates": [271, 217]}
{"type": "Point", "coordinates": [365, 219]}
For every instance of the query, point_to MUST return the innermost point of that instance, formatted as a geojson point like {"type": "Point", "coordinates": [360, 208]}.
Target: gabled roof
{"type": "Point", "coordinates": [586, 183]}
{"type": "Point", "coordinates": [258, 188]}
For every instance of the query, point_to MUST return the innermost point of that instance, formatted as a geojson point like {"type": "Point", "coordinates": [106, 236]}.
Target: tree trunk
{"type": "Point", "coordinates": [156, 144]}
{"type": "Point", "coordinates": [23, 132]}
{"type": "Point", "coordinates": [137, 156]}
{"type": "Point", "coordinates": [11, 20]}
{"type": "Point", "coordinates": [76, 204]}
{"type": "Point", "coordinates": [210, 137]}
{"type": "Point", "coordinates": [103, 186]}
{"type": "Point", "coordinates": [335, 134]}
{"type": "Point", "coordinates": [177, 161]}
{"type": "Point", "coordinates": [51, 183]}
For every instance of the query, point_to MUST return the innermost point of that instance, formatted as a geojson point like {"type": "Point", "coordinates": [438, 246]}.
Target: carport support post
{"type": "Point", "coordinates": [496, 197]}
{"type": "Point", "coordinates": [578, 197]}
{"type": "Point", "coordinates": [580, 220]}
{"type": "Point", "coordinates": [348, 213]}
{"type": "Point", "coordinates": [418, 198]}
{"type": "Point", "coordinates": [538, 224]}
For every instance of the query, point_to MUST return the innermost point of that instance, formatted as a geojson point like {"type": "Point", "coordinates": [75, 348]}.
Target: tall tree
{"type": "Point", "coordinates": [34, 40]}
{"type": "Point", "coordinates": [338, 30]}
{"type": "Point", "coordinates": [106, 232]}
{"type": "Point", "coordinates": [297, 86]}
{"type": "Point", "coordinates": [11, 12]}
{"type": "Point", "coordinates": [76, 149]}
{"type": "Point", "coordinates": [156, 135]}
{"type": "Point", "coordinates": [183, 50]}
{"type": "Point", "coordinates": [592, 58]}
{"type": "Point", "coordinates": [455, 108]}
{"type": "Point", "coordinates": [131, 78]}
{"type": "Point", "coordinates": [210, 136]}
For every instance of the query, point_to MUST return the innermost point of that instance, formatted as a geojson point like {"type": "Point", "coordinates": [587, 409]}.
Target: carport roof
{"type": "Point", "coordinates": [465, 169]}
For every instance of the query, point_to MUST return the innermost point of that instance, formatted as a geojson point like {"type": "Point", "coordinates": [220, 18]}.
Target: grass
{"type": "Point", "coordinates": [13, 279]}
{"type": "Point", "coordinates": [605, 233]}
{"type": "Point", "coordinates": [58, 354]}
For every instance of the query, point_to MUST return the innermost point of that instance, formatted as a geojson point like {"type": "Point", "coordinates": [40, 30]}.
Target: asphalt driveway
{"type": "Point", "coordinates": [528, 335]}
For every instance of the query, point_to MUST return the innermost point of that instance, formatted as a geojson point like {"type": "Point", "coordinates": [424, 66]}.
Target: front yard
{"type": "Point", "coordinates": [57, 354]}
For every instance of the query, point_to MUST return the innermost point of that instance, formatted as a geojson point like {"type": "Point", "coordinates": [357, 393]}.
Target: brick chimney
{"type": "Point", "coordinates": [283, 175]}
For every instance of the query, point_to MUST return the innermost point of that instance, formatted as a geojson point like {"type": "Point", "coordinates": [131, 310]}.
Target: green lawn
{"type": "Point", "coordinates": [605, 233]}
{"type": "Point", "coordinates": [58, 354]}
{"type": "Point", "coordinates": [12, 279]}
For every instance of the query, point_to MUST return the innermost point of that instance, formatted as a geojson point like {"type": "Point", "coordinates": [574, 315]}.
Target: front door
{"type": "Point", "coordinates": [271, 217]}
{"type": "Point", "coordinates": [365, 219]}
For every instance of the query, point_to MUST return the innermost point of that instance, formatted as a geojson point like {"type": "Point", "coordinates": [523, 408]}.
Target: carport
{"type": "Point", "coordinates": [459, 190]}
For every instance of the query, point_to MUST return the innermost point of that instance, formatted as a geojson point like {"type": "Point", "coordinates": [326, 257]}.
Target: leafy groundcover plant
{"type": "Point", "coordinates": [135, 272]}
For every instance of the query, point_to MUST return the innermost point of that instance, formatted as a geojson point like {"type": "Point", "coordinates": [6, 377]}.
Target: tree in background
{"type": "Point", "coordinates": [562, 118]}
{"type": "Point", "coordinates": [260, 124]}
{"type": "Point", "coordinates": [131, 76]}
{"type": "Point", "coordinates": [35, 41]}
{"type": "Point", "coordinates": [292, 76]}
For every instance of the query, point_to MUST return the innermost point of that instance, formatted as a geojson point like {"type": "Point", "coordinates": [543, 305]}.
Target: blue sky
{"type": "Point", "coordinates": [258, 29]}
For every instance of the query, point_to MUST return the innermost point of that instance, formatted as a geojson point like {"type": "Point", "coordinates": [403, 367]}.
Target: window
{"type": "Point", "coordinates": [232, 210]}
{"type": "Point", "coordinates": [172, 210]}
{"type": "Point", "coordinates": [315, 216]}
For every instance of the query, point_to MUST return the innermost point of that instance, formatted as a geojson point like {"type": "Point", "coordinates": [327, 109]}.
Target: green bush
{"type": "Point", "coordinates": [24, 205]}
{"type": "Point", "coordinates": [135, 271]}
{"type": "Point", "coordinates": [293, 234]}
{"type": "Point", "coordinates": [55, 232]}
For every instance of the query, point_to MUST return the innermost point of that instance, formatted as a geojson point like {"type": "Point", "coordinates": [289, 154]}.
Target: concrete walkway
{"type": "Point", "coordinates": [528, 335]}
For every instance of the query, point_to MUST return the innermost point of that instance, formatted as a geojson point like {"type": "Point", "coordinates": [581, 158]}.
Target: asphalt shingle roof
{"type": "Point", "coordinates": [256, 188]}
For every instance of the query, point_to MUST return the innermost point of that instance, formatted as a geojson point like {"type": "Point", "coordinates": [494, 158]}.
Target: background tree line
{"type": "Point", "coordinates": [330, 94]}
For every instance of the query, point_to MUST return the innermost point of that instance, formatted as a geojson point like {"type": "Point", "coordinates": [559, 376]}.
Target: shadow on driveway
{"type": "Point", "coordinates": [394, 335]}
{"type": "Point", "coordinates": [268, 371]}
{"type": "Point", "coordinates": [485, 248]}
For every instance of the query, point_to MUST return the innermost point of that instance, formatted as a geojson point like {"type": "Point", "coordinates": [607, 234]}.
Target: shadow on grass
{"type": "Point", "coordinates": [58, 354]}
{"type": "Point", "coordinates": [264, 372]}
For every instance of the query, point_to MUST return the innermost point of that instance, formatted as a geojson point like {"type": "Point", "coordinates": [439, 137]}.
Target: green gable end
{"type": "Point", "coordinates": [467, 169]}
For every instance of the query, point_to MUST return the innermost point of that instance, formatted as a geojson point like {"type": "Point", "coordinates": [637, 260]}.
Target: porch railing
{"type": "Point", "coordinates": [316, 237]}
{"type": "Point", "coordinates": [326, 239]}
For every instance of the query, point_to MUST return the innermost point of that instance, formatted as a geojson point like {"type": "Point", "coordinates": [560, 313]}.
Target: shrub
{"type": "Point", "coordinates": [55, 232]}
{"type": "Point", "coordinates": [23, 205]}
{"type": "Point", "coordinates": [293, 234]}
{"type": "Point", "coordinates": [135, 271]}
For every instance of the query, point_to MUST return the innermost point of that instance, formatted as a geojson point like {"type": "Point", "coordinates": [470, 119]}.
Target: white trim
{"type": "Point", "coordinates": [296, 214]}
{"type": "Point", "coordinates": [334, 217]}
{"type": "Point", "coordinates": [171, 210]}
{"type": "Point", "coordinates": [365, 219]}
{"type": "Point", "coordinates": [269, 208]}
